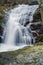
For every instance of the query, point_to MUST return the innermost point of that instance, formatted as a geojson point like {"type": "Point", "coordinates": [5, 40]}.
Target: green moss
{"type": "Point", "coordinates": [2, 8]}
{"type": "Point", "coordinates": [41, 11]}
{"type": "Point", "coordinates": [37, 16]}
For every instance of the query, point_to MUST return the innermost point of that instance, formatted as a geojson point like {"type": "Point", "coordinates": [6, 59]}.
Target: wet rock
{"type": "Point", "coordinates": [28, 56]}
{"type": "Point", "coordinates": [35, 26]}
{"type": "Point", "coordinates": [0, 39]}
{"type": "Point", "coordinates": [26, 23]}
{"type": "Point", "coordinates": [1, 33]}
{"type": "Point", "coordinates": [1, 30]}
{"type": "Point", "coordinates": [41, 32]}
{"type": "Point", "coordinates": [34, 34]}
{"type": "Point", "coordinates": [37, 16]}
{"type": "Point", "coordinates": [32, 58]}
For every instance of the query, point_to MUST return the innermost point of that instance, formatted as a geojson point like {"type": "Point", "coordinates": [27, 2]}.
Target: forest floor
{"type": "Point", "coordinates": [27, 56]}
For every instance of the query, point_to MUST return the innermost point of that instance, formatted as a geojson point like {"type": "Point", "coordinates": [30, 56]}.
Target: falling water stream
{"type": "Point", "coordinates": [15, 34]}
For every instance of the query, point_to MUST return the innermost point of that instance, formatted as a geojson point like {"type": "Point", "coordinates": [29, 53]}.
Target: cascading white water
{"type": "Point", "coordinates": [16, 35]}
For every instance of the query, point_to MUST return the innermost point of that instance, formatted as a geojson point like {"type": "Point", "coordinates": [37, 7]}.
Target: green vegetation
{"type": "Point", "coordinates": [41, 11]}
{"type": "Point", "coordinates": [2, 8]}
{"type": "Point", "coordinates": [41, 8]}
{"type": "Point", "coordinates": [37, 16]}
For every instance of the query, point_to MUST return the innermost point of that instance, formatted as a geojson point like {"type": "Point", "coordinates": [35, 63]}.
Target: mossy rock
{"type": "Point", "coordinates": [37, 16]}
{"type": "Point", "coordinates": [2, 8]}
{"type": "Point", "coordinates": [1, 20]}
{"type": "Point", "coordinates": [25, 56]}
{"type": "Point", "coordinates": [41, 11]}
{"type": "Point", "coordinates": [39, 38]}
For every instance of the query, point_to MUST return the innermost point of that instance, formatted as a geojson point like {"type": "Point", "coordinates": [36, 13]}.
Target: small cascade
{"type": "Point", "coordinates": [16, 35]}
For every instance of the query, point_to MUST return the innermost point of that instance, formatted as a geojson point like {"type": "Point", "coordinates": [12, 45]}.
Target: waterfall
{"type": "Point", "coordinates": [16, 35]}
